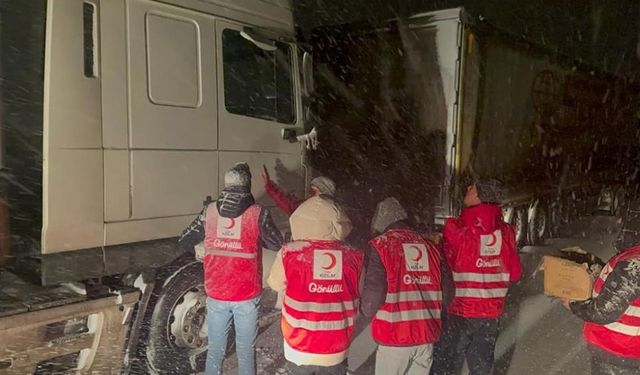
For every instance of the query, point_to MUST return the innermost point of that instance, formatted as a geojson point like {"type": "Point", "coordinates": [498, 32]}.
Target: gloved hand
{"type": "Point", "coordinates": [309, 140]}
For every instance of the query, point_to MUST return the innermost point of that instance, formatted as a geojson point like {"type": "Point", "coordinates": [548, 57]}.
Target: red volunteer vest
{"type": "Point", "coordinates": [410, 314]}
{"type": "Point", "coordinates": [233, 255]}
{"type": "Point", "coordinates": [481, 273]}
{"type": "Point", "coordinates": [321, 297]}
{"type": "Point", "coordinates": [622, 337]}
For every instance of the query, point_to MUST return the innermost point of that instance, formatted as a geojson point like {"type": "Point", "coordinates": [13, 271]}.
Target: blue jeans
{"type": "Point", "coordinates": [245, 318]}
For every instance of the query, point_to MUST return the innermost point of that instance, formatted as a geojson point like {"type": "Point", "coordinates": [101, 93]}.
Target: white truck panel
{"type": "Point", "coordinates": [72, 150]}
{"type": "Point", "coordinates": [123, 232]}
{"type": "Point", "coordinates": [171, 183]}
{"type": "Point", "coordinates": [172, 78]}
{"type": "Point", "coordinates": [117, 176]}
{"type": "Point", "coordinates": [73, 201]}
{"type": "Point", "coordinates": [113, 46]}
{"type": "Point", "coordinates": [268, 14]}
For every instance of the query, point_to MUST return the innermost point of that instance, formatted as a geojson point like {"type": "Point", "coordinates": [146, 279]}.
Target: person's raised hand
{"type": "Point", "coordinates": [265, 175]}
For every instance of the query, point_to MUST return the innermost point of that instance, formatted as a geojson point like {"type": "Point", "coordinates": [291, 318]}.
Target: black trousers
{"type": "Point", "coordinates": [293, 369]}
{"type": "Point", "coordinates": [473, 339]}
{"type": "Point", "coordinates": [603, 363]}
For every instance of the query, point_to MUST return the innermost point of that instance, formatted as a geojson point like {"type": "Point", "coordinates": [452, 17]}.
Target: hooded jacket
{"type": "Point", "coordinates": [317, 224]}
{"type": "Point", "coordinates": [481, 252]}
{"type": "Point", "coordinates": [231, 203]}
{"type": "Point", "coordinates": [306, 224]}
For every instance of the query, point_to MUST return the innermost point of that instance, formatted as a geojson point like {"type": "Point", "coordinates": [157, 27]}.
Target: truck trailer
{"type": "Point", "coordinates": [420, 105]}
{"type": "Point", "coordinates": [118, 118]}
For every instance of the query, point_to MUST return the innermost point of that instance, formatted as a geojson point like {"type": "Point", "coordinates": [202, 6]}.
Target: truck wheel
{"type": "Point", "coordinates": [177, 340]}
{"type": "Point", "coordinates": [519, 221]}
{"type": "Point", "coordinates": [538, 223]}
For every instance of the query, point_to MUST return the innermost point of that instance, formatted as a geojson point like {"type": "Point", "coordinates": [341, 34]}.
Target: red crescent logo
{"type": "Point", "coordinates": [332, 262]}
{"type": "Point", "coordinates": [419, 256]}
{"type": "Point", "coordinates": [232, 223]}
{"type": "Point", "coordinates": [493, 240]}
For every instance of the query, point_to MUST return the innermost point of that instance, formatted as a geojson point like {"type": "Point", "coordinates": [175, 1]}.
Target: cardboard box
{"type": "Point", "coordinates": [566, 279]}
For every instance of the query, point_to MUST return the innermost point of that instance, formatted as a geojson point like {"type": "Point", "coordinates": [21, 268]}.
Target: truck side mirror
{"type": "Point", "coordinates": [291, 134]}
{"type": "Point", "coordinates": [307, 74]}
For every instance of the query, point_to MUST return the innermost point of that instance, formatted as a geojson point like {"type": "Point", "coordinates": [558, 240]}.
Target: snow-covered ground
{"type": "Point", "coordinates": [538, 336]}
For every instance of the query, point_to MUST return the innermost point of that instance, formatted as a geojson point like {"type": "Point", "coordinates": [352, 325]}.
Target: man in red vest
{"type": "Point", "coordinates": [319, 275]}
{"type": "Point", "coordinates": [234, 230]}
{"type": "Point", "coordinates": [289, 202]}
{"type": "Point", "coordinates": [402, 293]}
{"type": "Point", "coordinates": [612, 315]}
{"type": "Point", "coordinates": [480, 250]}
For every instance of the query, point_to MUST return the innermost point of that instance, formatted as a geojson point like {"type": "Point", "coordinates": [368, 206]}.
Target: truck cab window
{"type": "Point", "coordinates": [89, 39]}
{"type": "Point", "coordinates": [257, 83]}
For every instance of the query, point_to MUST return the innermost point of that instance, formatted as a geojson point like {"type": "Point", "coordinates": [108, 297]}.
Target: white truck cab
{"type": "Point", "coordinates": [119, 118]}
{"type": "Point", "coordinates": [148, 103]}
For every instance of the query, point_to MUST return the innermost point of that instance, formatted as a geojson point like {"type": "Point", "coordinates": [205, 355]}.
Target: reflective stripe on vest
{"type": "Point", "coordinates": [622, 337]}
{"type": "Point", "coordinates": [413, 296]}
{"type": "Point", "coordinates": [481, 277]}
{"type": "Point", "coordinates": [633, 311]}
{"type": "Point", "coordinates": [227, 253]}
{"type": "Point", "coordinates": [326, 325]}
{"type": "Point", "coordinates": [481, 292]}
{"type": "Point", "coordinates": [407, 315]}
{"type": "Point", "coordinates": [625, 329]}
{"type": "Point", "coordinates": [318, 307]}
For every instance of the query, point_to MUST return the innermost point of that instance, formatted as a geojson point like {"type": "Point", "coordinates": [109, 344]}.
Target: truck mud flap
{"type": "Point", "coordinates": [84, 337]}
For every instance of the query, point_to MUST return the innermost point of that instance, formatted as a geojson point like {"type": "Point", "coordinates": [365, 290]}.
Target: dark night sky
{"type": "Point", "coordinates": [599, 33]}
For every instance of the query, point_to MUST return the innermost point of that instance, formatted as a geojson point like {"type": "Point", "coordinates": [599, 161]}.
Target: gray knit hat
{"type": "Point", "coordinates": [325, 185]}
{"type": "Point", "coordinates": [238, 175]}
{"type": "Point", "coordinates": [387, 212]}
{"type": "Point", "coordinates": [490, 191]}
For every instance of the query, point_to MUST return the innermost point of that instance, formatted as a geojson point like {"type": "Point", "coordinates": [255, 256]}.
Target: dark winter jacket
{"type": "Point", "coordinates": [232, 203]}
{"type": "Point", "coordinates": [619, 290]}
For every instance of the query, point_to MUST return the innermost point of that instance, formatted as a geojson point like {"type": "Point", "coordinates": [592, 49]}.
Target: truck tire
{"type": "Point", "coordinates": [177, 339]}
{"type": "Point", "coordinates": [519, 221]}
{"type": "Point", "coordinates": [538, 223]}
